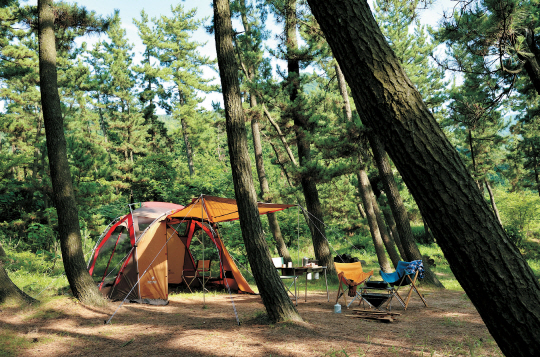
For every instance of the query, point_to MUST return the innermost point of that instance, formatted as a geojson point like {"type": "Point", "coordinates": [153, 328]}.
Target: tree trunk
{"type": "Point", "coordinates": [82, 285]}
{"type": "Point", "coordinates": [189, 150]}
{"type": "Point", "coordinates": [531, 63]}
{"type": "Point", "coordinates": [364, 186]}
{"type": "Point", "coordinates": [275, 298]}
{"type": "Point", "coordinates": [389, 243]}
{"type": "Point", "coordinates": [387, 212]}
{"type": "Point", "coordinates": [265, 189]}
{"type": "Point", "coordinates": [408, 244]}
{"type": "Point", "coordinates": [492, 200]}
{"type": "Point", "coordinates": [387, 240]}
{"type": "Point", "coordinates": [9, 292]}
{"type": "Point", "coordinates": [309, 187]}
{"type": "Point", "coordinates": [361, 210]}
{"type": "Point", "coordinates": [257, 146]}
{"type": "Point", "coordinates": [486, 263]}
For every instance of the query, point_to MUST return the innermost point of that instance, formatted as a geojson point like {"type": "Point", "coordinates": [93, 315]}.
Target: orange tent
{"type": "Point", "coordinates": [216, 209]}
{"type": "Point", "coordinates": [143, 252]}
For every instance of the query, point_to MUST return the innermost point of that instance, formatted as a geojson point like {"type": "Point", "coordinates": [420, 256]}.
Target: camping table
{"type": "Point", "coordinates": [298, 271]}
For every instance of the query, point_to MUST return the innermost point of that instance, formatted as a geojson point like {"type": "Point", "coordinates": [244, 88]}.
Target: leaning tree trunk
{"type": "Point", "coordinates": [486, 263]}
{"type": "Point", "coordinates": [531, 62]}
{"type": "Point", "coordinates": [387, 212]}
{"type": "Point", "coordinates": [389, 243]}
{"type": "Point", "coordinates": [82, 285]}
{"type": "Point", "coordinates": [492, 200]}
{"type": "Point", "coordinates": [364, 186]}
{"type": "Point", "coordinates": [301, 127]}
{"type": "Point", "coordinates": [9, 292]}
{"type": "Point", "coordinates": [275, 298]}
{"type": "Point", "coordinates": [265, 189]}
{"type": "Point", "coordinates": [407, 241]}
{"type": "Point", "coordinates": [368, 191]}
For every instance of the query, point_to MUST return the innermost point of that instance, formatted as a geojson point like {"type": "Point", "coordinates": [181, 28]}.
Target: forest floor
{"type": "Point", "coordinates": [450, 326]}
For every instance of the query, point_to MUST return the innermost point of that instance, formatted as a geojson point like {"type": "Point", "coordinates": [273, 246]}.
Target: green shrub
{"type": "Point", "coordinates": [421, 236]}
{"type": "Point", "coordinates": [515, 235]}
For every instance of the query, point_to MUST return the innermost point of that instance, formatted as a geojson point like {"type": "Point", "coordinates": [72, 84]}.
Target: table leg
{"type": "Point", "coordinates": [305, 295]}
{"type": "Point", "coordinates": [326, 282]}
{"type": "Point", "coordinates": [295, 293]}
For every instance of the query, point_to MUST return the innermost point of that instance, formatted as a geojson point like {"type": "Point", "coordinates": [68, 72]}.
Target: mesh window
{"type": "Point", "coordinates": [118, 255]}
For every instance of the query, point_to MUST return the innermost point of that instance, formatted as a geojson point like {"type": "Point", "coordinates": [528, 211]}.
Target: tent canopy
{"type": "Point", "coordinates": [217, 209]}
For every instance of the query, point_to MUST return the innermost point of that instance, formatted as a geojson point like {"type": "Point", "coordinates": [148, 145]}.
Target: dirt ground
{"type": "Point", "coordinates": [450, 326]}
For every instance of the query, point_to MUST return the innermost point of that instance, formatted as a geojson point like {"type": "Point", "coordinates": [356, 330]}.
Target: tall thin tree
{"type": "Point", "coordinates": [275, 299]}
{"type": "Point", "coordinates": [82, 285]}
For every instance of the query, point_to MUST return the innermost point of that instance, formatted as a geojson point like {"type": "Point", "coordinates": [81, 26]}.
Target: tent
{"type": "Point", "coordinates": [143, 252]}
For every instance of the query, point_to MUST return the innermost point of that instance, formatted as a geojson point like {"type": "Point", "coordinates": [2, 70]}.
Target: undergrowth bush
{"type": "Point", "coordinates": [421, 236]}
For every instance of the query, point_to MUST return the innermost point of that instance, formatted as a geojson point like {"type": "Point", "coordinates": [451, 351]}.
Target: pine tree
{"type": "Point", "coordinates": [278, 305]}
{"type": "Point", "coordinates": [150, 79]}
{"type": "Point", "coordinates": [119, 109]}
{"type": "Point", "coordinates": [465, 228]}
{"type": "Point", "coordinates": [180, 55]}
{"type": "Point", "coordinates": [81, 283]}
{"type": "Point", "coordinates": [503, 32]}
{"type": "Point", "coordinates": [250, 53]}
{"type": "Point", "coordinates": [414, 49]}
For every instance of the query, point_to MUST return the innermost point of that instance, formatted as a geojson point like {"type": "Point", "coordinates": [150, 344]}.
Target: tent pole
{"type": "Point", "coordinates": [298, 237]}
{"type": "Point", "coordinates": [202, 240]}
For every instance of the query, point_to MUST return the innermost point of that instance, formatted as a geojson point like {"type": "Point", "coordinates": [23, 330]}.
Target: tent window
{"type": "Point", "coordinates": [143, 226]}
{"type": "Point", "coordinates": [181, 228]}
{"type": "Point", "coordinates": [122, 248]}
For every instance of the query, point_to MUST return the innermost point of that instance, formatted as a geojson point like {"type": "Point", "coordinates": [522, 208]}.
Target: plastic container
{"type": "Point", "coordinates": [337, 308]}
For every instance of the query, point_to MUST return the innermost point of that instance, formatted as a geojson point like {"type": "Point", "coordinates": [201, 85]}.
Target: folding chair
{"type": "Point", "coordinates": [278, 263]}
{"type": "Point", "coordinates": [201, 273]}
{"type": "Point", "coordinates": [203, 270]}
{"type": "Point", "coordinates": [350, 275]}
{"type": "Point", "coordinates": [188, 277]}
{"type": "Point", "coordinates": [406, 274]}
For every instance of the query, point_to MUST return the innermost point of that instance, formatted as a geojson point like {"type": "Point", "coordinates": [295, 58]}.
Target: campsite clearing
{"type": "Point", "coordinates": [450, 326]}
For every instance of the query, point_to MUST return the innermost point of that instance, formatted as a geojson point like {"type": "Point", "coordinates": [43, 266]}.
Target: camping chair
{"type": "Point", "coordinates": [278, 263]}
{"type": "Point", "coordinates": [201, 273]}
{"type": "Point", "coordinates": [350, 275]}
{"type": "Point", "coordinates": [203, 270]}
{"type": "Point", "coordinates": [406, 274]}
{"type": "Point", "coordinates": [188, 277]}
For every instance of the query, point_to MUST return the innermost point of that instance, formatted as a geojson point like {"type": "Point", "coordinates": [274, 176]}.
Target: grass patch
{"type": "Point", "coordinates": [11, 344]}
{"type": "Point", "coordinates": [36, 275]}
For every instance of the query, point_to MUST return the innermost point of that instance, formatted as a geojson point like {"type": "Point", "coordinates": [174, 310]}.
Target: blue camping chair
{"type": "Point", "coordinates": [406, 274]}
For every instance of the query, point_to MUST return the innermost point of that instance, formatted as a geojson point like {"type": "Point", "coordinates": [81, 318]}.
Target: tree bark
{"type": "Point", "coordinates": [265, 189]}
{"type": "Point", "coordinates": [189, 150]}
{"type": "Point", "coordinates": [9, 292]}
{"type": "Point", "coordinates": [531, 65]}
{"type": "Point", "coordinates": [388, 242]}
{"type": "Point", "coordinates": [366, 192]}
{"type": "Point", "coordinates": [387, 212]}
{"type": "Point", "coordinates": [257, 147]}
{"type": "Point", "coordinates": [486, 263]}
{"type": "Point", "coordinates": [275, 298]}
{"type": "Point", "coordinates": [492, 200]}
{"type": "Point", "coordinates": [82, 285]}
{"type": "Point", "coordinates": [309, 187]}
{"type": "Point", "coordinates": [361, 210]}
{"type": "Point", "coordinates": [408, 244]}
